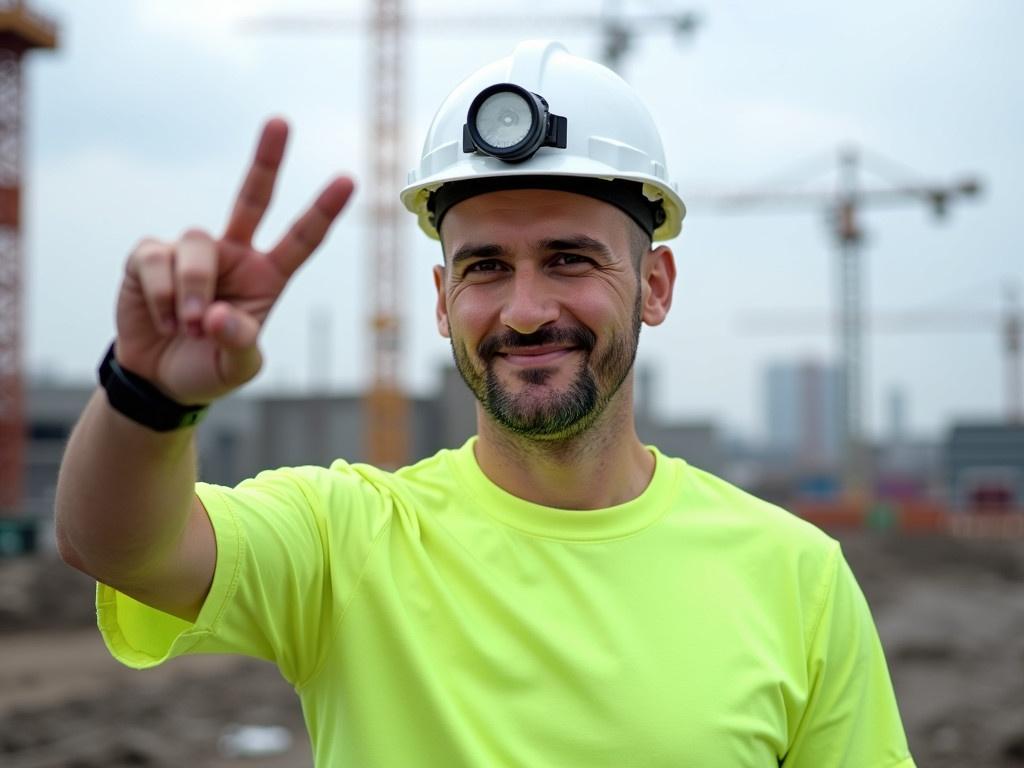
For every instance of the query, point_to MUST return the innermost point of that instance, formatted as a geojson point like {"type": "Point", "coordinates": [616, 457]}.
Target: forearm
{"type": "Point", "coordinates": [124, 493]}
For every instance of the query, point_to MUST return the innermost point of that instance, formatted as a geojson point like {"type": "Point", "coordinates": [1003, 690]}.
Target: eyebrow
{"type": "Point", "coordinates": [477, 251]}
{"type": "Point", "coordinates": [577, 243]}
{"type": "Point", "coordinates": [571, 243]}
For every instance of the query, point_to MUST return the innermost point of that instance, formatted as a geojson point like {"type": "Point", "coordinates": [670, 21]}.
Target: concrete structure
{"type": "Point", "coordinates": [984, 467]}
{"type": "Point", "coordinates": [244, 434]}
{"type": "Point", "coordinates": [698, 442]}
{"type": "Point", "coordinates": [51, 411]}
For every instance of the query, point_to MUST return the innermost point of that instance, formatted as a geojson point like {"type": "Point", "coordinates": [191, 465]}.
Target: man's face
{"type": "Point", "coordinates": [541, 300]}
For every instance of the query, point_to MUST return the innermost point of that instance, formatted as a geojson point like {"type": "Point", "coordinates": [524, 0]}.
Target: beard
{"type": "Point", "coordinates": [536, 410]}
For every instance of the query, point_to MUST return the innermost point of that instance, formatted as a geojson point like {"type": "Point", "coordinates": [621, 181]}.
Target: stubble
{"type": "Point", "coordinates": [537, 410]}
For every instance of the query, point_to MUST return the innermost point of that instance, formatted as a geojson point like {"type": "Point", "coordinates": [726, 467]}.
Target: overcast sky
{"type": "Point", "coordinates": [143, 121]}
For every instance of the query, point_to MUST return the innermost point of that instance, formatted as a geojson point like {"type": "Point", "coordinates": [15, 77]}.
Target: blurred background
{"type": "Point", "coordinates": [845, 338]}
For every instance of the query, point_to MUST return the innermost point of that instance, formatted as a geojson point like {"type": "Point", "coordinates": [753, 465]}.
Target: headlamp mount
{"type": "Point", "coordinates": [510, 123]}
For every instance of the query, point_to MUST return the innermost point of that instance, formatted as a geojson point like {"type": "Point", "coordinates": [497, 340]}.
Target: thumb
{"type": "Point", "coordinates": [236, 333]}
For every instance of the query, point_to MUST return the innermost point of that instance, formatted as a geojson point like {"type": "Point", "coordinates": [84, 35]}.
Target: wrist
{"type": "Point", "coordinates": [139, 399]}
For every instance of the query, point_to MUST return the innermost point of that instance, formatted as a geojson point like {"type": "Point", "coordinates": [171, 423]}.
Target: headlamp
{"type": "Point", "coordinates": [510, 123]}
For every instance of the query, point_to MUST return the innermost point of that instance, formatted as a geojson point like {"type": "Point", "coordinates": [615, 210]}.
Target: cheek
{"type": "Point", "coordinates": [602, 312]}
{"type": "Point", "coordinates": [470, 315]}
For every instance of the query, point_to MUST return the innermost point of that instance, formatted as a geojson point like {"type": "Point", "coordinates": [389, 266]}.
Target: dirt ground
{"type": "Point", "coordinates": [950, 613]}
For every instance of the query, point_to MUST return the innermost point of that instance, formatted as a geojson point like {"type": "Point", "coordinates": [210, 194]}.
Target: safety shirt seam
{"type": "Point", "coordinates": [316, 509]}
{"type": "Point", "coordinates": [907, 761]}
{"type": "Point", "coordinates": [828, 584]}
{"type": "Point", "coordinates": [670, 496]}
{"type": "Point", "coordinates": [344, 609]}
{"type": "Point", "coordinates": [189, 638]}
{"type": "Point", "coordinates": [581, 540]}
{"type": "Point", "coordinates": [241, 541]}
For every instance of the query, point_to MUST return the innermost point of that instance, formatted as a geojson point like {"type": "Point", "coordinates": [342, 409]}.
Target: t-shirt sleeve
{"type": "Point", "coordinates": [291, 544]}
{"type": "Point", "coordinates": [851, 719]}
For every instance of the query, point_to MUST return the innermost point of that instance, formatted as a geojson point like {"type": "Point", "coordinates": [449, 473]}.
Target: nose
{"type": "Point", "coordinates": [529, 304]}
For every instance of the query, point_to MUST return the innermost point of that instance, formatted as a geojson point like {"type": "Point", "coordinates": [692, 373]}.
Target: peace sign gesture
{"type": "Point", "coordinates": [189, 312]}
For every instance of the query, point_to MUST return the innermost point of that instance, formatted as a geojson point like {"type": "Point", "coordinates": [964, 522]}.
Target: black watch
{"type": "Point", "coordinates": [140, 401]}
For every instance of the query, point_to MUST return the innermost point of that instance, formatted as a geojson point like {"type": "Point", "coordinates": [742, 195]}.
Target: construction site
{"type": "Point", "coordinates": [882, 400]}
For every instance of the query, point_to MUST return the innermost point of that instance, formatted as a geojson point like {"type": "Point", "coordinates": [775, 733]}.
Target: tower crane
{"type": "Point", "coordinates": [386, 408]}
{"type": "Point", "coordinates": [1009, 322]}
{"type": "Point", "coordinates": [843, 206]}
{"type": "Point", "coordinates": [21, 30]}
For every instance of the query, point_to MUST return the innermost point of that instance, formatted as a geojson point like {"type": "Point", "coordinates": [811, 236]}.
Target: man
{"type": "Point", "coordinates": [553, 593]}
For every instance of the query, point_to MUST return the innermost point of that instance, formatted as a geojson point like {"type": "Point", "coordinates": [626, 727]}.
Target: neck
{"type": "Point", "coordinates": [604, 466]}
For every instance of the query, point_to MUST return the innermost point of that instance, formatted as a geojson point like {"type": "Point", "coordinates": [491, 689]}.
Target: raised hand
{"type": "Point", "coordinates": [190, 311]}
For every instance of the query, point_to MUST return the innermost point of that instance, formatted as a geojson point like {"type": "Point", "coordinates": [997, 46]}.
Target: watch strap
{"type": "Point", "coordinates": [137, 398]}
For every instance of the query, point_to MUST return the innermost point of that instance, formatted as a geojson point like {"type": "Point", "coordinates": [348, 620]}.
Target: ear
{"type": "Point", "coordinates": [659, 278]}
{"type": "Point", "coordinates": [441, 309]}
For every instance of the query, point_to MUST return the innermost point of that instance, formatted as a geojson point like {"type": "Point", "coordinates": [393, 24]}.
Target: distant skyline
{"type": "Point", "coordinates": [144, 120]}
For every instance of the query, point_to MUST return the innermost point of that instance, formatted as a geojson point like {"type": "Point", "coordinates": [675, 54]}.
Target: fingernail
{"type": "Point", "coordinates": [231, 328]}
{"type": "Point", "coordinates": [193, 306]}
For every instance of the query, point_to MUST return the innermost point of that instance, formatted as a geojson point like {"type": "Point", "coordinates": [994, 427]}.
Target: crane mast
{"type": "Point", "coordinates": [1013, 330]}
{"type": "Point", "coordinates": [851, 320]}
{"type": "Point", "coordinates": [21, 30]}
{"type": "Point", "coordinates": [386, 409]}
{"type": "Point", "coordinates": [843, 206]}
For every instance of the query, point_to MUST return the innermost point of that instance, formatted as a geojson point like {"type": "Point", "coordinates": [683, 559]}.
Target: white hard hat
{"type": "Point", "coordinates": [543, 117]}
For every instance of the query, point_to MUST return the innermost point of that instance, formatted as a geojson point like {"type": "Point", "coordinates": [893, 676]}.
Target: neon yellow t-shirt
{"type": "Point", "coordinates": [428, 618]}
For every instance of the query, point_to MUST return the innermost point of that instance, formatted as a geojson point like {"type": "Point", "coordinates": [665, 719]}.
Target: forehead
{"type": "Point", "coordinates": [532, 215]}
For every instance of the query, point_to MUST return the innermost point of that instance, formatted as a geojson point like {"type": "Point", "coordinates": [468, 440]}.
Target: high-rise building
{"type": "Point", "coordinates": [802, 413]}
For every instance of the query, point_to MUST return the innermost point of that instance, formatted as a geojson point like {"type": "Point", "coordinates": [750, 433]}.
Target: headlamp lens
{"type": "Point", "coordinates": [510, 123]}
{"type": "Point", "coordinates": [504, 119]}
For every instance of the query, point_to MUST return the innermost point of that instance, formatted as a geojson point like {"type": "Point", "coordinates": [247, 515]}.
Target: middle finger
{"type": "Point", "coordinates": [195, 279]}
{"type": "Point", "coordinates": [258, 187]}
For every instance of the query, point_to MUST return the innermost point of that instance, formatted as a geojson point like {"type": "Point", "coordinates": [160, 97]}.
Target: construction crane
{"type": "Point", "coordinates": [386, 407]}
{"type": "Point", "coordinates": [21, 31]}
{"type": "Point", "coordinates": [1009, 323]}
{"type": "Point", "coordinates": [386, 429]}
{"type": "Point", "coordinates": [843, 206]}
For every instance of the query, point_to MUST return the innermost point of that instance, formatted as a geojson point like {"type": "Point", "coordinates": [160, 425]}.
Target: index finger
{"type": "Point", "coordinates": [309, 230]}
{"type": "Point", "coordinates": [258, 187]}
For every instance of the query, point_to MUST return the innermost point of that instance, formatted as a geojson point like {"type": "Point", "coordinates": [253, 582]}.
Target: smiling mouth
{"type": "Point", "coordinates": [536, 356]}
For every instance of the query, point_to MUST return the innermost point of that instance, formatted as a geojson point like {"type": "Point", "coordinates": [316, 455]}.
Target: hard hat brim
{"type": "Point", "coordinates": [416, 195]}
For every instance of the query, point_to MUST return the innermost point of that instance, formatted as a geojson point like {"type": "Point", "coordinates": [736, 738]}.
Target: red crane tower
{"type": "Point", "coordinates": [21, 31]}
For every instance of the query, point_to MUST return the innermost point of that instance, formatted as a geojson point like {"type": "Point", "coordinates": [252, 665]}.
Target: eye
{"type": "Point", "coordinates": [485, 265]}
{"type": "Point", "coordinates": [483, 271]}
{"type": "Point", "coordinates": [571, 260]}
